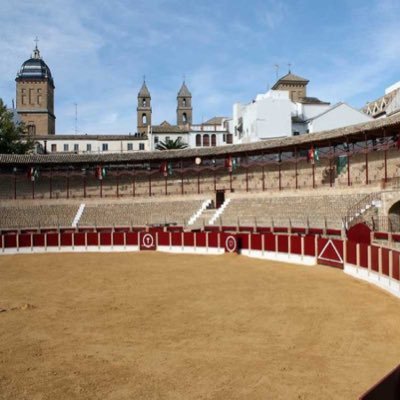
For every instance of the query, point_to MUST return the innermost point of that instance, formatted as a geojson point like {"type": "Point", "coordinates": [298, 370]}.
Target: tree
{"type": "Point", "coordinates": [12, 135]}
{"type": "Point", "coordinates": [170, 144]}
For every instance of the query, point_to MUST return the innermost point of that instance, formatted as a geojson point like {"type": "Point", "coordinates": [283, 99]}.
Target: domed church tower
{"type": "Point", "coordinates": [143, 110]}
{"type": "Point", "coordinates": [35, 96]}
{"type": "Point", "coordinates": [184, 109]}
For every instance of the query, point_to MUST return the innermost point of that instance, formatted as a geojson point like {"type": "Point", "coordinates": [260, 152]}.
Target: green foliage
{"type": "Point", "coordinates": [169, 144]}
{"type": "Point", "coordinates": [12, 137]}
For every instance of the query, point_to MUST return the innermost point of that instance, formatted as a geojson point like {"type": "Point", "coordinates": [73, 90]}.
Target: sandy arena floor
{"type": "Point", "coordinates": [159, 326]}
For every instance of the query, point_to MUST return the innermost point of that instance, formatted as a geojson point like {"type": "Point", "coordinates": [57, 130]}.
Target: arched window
{"type": "Point", "coordinates": [206, 140]}
{"type": "Point", "coordinates": [184, 118]}
{"type": "Point", "coordinates": [213, 139]}
{"type": "Point", "coordinates": [198, 140]}
{"type": "Point", "coordinates": [144, 102]}
{"type": "Point", "coordinates": [144, 119]}
{"type": "Point", "coordinates": [184, 102]}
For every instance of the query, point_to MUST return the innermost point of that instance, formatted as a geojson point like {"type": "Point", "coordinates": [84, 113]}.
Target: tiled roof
{"type": "Point", "coordinates": [289, 78]}
{"type": "Point", "coordinates": [165, 127]}
{"type": "Point", "coordinates": [312, 100]}
{"type": "Point", "coordinates": [91, 137]}
{"type": "Point", "coordinates": [214, 121]}
{"type": "Point", "coordinates": [272, 145]}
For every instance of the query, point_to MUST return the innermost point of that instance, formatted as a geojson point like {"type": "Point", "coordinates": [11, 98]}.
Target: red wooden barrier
{"type": "Point", "coordinates": [118, 238]}
{"type": "Point", "coordinates": [309, 245]}
{"type": "Point", "coordinates": [66, 239]}
{"type": "Point", "coordinates": [375, 258]}
{"type": "Point", "coordinates": [79, 239]}
{"type": "Point", "coordinates": [105, 239]}
{"type": "Point", "coordinates": [132, 238]}
{"type": "Point", "coordinates": [10, 241]}
{"type": "Point", "coordinates": [147, 241]}
{"type": "Point", "coordinates": [176, 238]}
{"type": "Point", "coordinates": [396, 265]}
{"type": "Point", "coordinates": [213, 239]}
{"type": "Point", "coordinates": [24, 240]}
{"type": "Point", "coordinates": [283, 244]}
{"type": "Point", "coordinates": [385, 261]}
{"type": "Point", "coordinates": [351, 248]}
{"type": "Point", "coordinates": [201, 239]}
{"type": "Point", "coordinates": [52, 239]}
{"type": "Point", "coordinates": [269, 242]}
{"type": "Point", "coordinates": [163, 238]}
{"type": "Point", "coordinates": [188, 239]}
{"type": "Point", "coordinates": [38, 239]}
{"type": "Point", "coordinates": [330, 252]}
{"type": "Point", "coordinates": [295, 244]}
{"type": "Point", "coordinates": [92, 239]}
{"type": "Point", "coordinates": [256, 241]}
{"type": "Point", "coordinates": [363, 255]}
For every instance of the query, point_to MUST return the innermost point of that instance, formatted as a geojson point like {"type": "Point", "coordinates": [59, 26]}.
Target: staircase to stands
{"type": "Point", "coordinates": [360, 211]}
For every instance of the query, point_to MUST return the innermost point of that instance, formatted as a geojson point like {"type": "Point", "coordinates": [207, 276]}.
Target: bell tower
{"type": "Point", "coordinates": [184, 109]}
{"type": "Point", "coordinates": [144, 110]}
{"type": "Point", "coordinates": [35, 96]}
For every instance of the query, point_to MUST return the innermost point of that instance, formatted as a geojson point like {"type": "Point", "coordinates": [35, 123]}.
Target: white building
{"type": "Point", "coordinates": [286, 110]}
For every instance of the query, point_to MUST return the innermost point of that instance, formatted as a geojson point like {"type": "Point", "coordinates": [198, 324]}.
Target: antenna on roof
{"type": "Point", "coordinates": [276, 70]}
{"type": "Point", "coordinates": [76, 118]}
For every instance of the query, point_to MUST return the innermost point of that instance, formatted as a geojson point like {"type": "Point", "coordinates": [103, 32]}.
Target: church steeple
{"type": "Point", "coordinates": [143, 109]}
{"type": "Point", "coordinates": [184, 111]}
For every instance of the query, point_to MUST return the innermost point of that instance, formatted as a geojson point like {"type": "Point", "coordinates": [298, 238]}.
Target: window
{"type": "Point", "coordinates": [296, 133]}
{"type": "Point", "coordinates": [31, 129]}
{"type": "Point", "coordinates": [66, 147]}
{"type": "Point", "coordinates": [53, 148]}
{"type": "Point", "coordinates": [105, 146]}
{"type": "Point", "coordinates": [88, 147]}
{"type": "Point", "coordinates": [206, 140]}
{"type": "Point", "coordinates": [141, 146]}
{"type": "Point", "coordinates": [184, 102]}
{"type": "Point", "coordinates": [229, 138]}
{"type": "Point", "coordinates": [76, 147]}
{"type": "Point", "coordinates": [198, 140]}
{"type": "Point", "coordinates": [144, 119]}
{"type": "Point", "coordinates": [144, 102]}
{"type": "Point", "coordinates": [130, 146]}
{"type": "Point", "coordinates": [224, 137]}
{"type": "Point", "coordinates": [213, 139]}
{"type": "Point", "coordinates": [155, 139]}
{"type": "Point", "coordinates": [184, 118]}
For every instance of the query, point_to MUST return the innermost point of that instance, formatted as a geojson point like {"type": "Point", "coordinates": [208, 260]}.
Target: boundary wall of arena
{"type": "Point", "coordinates": [374, 264]}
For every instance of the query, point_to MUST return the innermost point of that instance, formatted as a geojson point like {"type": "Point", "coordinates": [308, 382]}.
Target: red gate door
{"type": "Point", "coordinates": [330, 252]}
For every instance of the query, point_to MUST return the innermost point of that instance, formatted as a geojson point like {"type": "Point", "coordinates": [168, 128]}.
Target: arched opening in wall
{"type": "Point", "coordinates": [144, 102]}
{"type": "Point", "coordinates": [206, 141]}
{"type": "Point", "coordinates": [184, 118]}
{"type": "Point", "coordinates": [184, 102]}
{"type": "Point", "coordinates": [213, 139]}
{"type": "Point", "coordinates": [394, 217]}
{"type": "Point", "coordinates": [144, 119]}
{"type": "Point", "coordinates": [198, 140]}
{"type": "Point", "coordinates": [31, 129]}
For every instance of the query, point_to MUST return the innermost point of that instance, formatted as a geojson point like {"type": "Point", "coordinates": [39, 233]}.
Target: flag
{"type": "Point", "coordinates": [341, 163]}
{"type": "Point", "coordinates": [311, 155]}
{"type": "Point", "coordinates": [164, 168]}
{"type": "Point", "coordinates": [33, 173]}
{"type": "Point", "coordinates": [99, 173]}
{"type": "Point", "coordinates": [316, 154]}
{"type": "Point", "coordinates": [229, 163]}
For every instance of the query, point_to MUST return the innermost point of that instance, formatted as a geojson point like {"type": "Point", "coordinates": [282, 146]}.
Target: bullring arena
{"type": "Point", "coordinates": [187, 275]}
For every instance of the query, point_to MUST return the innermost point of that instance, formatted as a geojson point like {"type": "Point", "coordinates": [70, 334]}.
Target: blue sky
{"type": "Point", "coordinates": [99, 50]}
